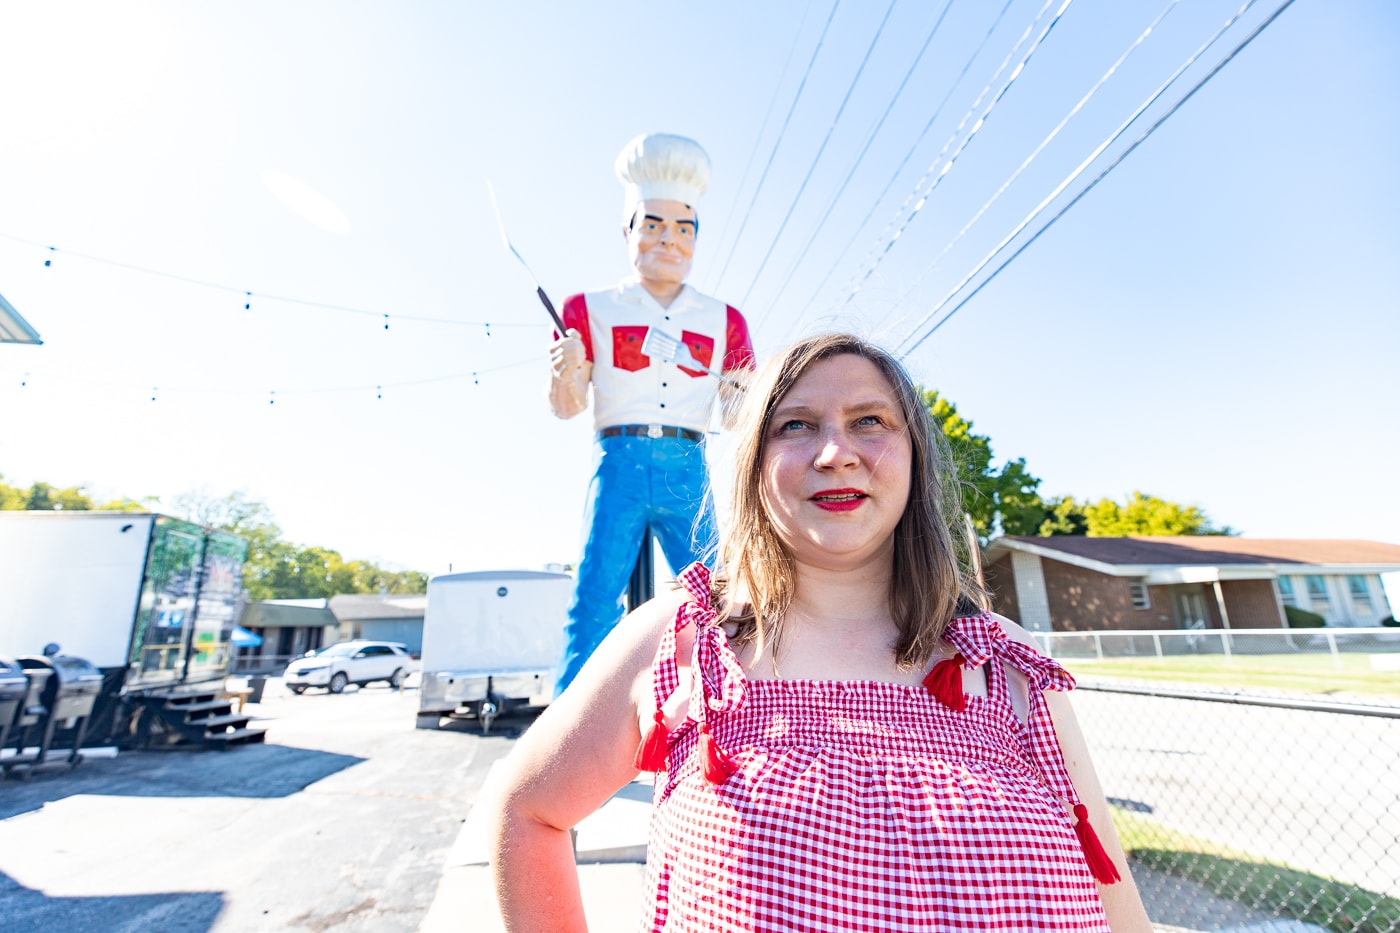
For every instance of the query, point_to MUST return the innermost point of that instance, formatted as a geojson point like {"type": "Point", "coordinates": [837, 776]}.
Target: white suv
{"type": "Point", "coordinates": [350, 662]}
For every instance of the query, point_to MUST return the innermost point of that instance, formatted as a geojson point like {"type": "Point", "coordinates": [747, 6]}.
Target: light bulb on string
{"type": "Point", "coordinates": [248, 301]}
{"type": "Point", "coordinates": [154, 391]}
{"type": "Point", "coordinates": [379, 392]}
{"type": "Point", "coordinates": [272, 397]}
{"type": "Point", "coordinates": [49, 261]}
{"type": "Point", "coordinates": [24, 381]}
{"type": "Point", "coordinates": [488, 330]}
{"type": "Point", "coordinates": [475, 381]}
{"type": "Point", "coordinates": [386, 322]}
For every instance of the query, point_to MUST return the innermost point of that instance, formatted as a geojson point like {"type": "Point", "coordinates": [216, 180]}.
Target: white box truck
{"type": "Point", "coordinates": [492, 642]}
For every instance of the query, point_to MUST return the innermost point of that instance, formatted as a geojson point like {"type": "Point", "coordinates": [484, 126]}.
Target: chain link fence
{"type": "Point", "coordinates": [1255, 803]}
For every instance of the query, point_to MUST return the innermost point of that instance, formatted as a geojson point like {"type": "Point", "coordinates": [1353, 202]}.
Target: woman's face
{"type": "Point", "coordinates": [835, 465]}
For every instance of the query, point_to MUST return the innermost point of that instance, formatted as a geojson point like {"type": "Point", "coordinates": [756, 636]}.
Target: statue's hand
{"type": "Point", "coordinates": [566, 355]}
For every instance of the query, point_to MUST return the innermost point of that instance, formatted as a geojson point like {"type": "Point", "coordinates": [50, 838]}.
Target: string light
{"type": "Point", "coordinates": [272, 394]}
{"type": "Point", "coordinates": [248, 295]}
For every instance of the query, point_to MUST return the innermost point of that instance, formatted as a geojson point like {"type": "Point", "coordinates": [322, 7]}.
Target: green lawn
{"type": "Point", "coordinates": [1304, 673]}
{"type": "Point", "coordinates": [1263, 884]}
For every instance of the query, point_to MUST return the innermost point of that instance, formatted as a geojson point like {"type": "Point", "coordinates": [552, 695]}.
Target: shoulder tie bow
{"type": "Point", "coordinates": [979, 639]}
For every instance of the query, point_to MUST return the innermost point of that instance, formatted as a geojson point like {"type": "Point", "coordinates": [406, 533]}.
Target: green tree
{"type": "Point", "coordinates": [1141, 514]}
{"type": "Point", "coordinates": [278, 569]}
{"type": "Point", "coordinates": [1000, 499]}
{"type": "Point", "coordinates": [12, 498]}
{"type": "Point", "coordinates": [123, 504]}
{"type": "Point", "coordinates": [42, 497]}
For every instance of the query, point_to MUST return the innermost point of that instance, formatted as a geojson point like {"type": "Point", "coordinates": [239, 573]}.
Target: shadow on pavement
{"type": "Point", "coordinates": [510, 725]}
{"type": "Point", "coordinates": [251, 771]}
{"type": "Point", "coordinates": [183, 912]}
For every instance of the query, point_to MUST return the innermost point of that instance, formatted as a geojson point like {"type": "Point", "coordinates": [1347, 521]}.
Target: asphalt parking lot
{"type": "Point", "coordinates": [340, 821]}
{"type": "Point", "coordinates": [348, 818]}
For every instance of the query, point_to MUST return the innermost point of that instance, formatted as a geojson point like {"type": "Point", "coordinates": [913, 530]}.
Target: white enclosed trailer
{"type": "Point", "coordinates": [492, 641]}
{"type": "Point", "coordinates": [149, 600]}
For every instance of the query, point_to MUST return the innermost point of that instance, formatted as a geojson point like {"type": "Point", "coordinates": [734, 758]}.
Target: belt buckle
{"type": "Point", "coordinates": [653, 431]}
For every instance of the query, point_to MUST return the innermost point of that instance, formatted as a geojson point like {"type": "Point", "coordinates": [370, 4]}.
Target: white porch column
{"type": "Point", "coordinates": [1031, 597]}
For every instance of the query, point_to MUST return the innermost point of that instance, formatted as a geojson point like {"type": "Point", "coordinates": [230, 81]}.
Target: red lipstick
{"type": "Point", "coordinates": [838, 500]}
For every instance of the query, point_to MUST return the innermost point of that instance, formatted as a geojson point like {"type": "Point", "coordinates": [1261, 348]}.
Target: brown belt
{"type": "Point", "coordinates": [651, 430]}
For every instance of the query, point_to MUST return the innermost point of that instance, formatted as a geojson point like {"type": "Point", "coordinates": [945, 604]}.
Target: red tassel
{"type": "Point", "coordinates": [1104, 871]}
{"type": "Point", "coordinates": [652, 750]}
{"type": "Point", "coordinates": [718, 766]}
{"type": "Point", "coordinates": [945, 683]}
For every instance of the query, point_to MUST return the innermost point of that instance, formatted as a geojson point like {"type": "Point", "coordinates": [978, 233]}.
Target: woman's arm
{"type": "Point", "coordinates": [576, 755]}
{"type": "Point", "coordinates": [1121, 901]}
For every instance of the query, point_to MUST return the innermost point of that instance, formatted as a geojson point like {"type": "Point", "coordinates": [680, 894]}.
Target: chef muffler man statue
{"type": "Point", "coordinates": [651, 415]}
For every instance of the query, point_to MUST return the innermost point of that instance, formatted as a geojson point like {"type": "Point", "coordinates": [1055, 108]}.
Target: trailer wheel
{"type": "Point", "coordinates": [488, 710]}
{"type": "Point", "coordinates": [338, 682]}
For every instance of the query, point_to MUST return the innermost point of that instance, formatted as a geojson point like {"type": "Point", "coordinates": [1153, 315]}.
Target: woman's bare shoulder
{"type": "Point", "coordinates": [1014, 630]}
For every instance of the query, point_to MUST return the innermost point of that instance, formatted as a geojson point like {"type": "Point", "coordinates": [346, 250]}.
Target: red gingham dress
{"type": "Point", "coordinates": [861, 805]}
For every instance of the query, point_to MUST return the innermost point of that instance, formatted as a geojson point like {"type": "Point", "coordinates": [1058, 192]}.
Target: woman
{"type": "Point", "coordinates": [844, 740]}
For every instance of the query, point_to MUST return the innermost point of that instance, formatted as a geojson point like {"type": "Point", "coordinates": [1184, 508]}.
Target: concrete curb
{"type": "Point", "coordinates": [611, 853]}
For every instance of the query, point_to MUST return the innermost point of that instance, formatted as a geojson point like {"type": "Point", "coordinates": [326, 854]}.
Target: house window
{"type": "Point", "coordinates": [1137, 589]}
{"type": "Point", "coordinates": [1285, 591]}
{"type": "Point", "coordinates": [1317, 594]}
{"type": "Point", "coordinates": [1360, 595]}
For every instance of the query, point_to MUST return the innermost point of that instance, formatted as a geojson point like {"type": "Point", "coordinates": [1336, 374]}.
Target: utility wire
{"type": "Point", "coordinates": [262, 296]}
{"type": "Point", "coordinates": [879, 31]}
{"type": "Point", "coordinates": [937, 112]}
{"type": "Point", "coordinates": [734, 248]}
{"type": "Point", "coordinates": [1090, 186]}
{"type": "Point", "coordinates": [763, 127]}
{"type": "Point", "coordinates": [1020, 68]}
{"type": "Point", "coordinates": [869, 140]}
{"type": "Point", "coordinates": [1113, 69]}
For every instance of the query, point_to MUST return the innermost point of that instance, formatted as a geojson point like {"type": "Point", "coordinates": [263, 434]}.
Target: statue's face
{"type": "Point", "coordinates": [661, 241]}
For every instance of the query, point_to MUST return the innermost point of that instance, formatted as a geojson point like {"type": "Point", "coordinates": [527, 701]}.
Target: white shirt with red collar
{"type": "Point", "coordinates": [629, 388]}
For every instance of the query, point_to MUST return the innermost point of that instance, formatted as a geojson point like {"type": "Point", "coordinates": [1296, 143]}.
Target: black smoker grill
{"type": "Point", "coordinates": [14, 690]}
{"type": "Point", "coordinates": [66, 688]}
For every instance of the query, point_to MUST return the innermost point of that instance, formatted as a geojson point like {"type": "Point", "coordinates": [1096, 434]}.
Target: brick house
{"type": "Point", "coordinates": [1075, 584]}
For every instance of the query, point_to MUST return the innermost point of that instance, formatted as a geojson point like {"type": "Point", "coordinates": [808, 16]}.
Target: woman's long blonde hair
{"type": "Point", "coordinates": [931, 582]}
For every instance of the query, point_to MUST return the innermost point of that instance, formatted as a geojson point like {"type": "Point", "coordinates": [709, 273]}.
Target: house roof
{"type": "Point", "coordinates": [1220, 549]}
{"type": "Point", "coordinates": [350, 607]}
{"type": "Point", "coordinates": [1207, 556]}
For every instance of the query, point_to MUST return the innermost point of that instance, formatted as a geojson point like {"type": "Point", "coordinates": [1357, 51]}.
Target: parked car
{"type": "Point", "coordinates": [350, 662]}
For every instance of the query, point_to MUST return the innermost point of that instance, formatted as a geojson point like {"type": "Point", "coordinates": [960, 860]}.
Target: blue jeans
{"type": "Point", "coordinates": [637, 482]}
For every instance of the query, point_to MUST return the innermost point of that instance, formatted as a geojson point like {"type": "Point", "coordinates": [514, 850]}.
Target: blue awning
{"type": "Point", "coordinates": [242, 638]}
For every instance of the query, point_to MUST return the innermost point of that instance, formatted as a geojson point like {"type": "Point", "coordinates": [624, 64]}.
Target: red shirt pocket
{"type": "Point", "coordinates": [702, 348]}
{"type": "Point", "coordinates": [627, 347]}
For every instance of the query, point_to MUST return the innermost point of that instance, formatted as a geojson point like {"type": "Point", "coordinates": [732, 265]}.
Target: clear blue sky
{"type": "Point", "coordinates": [1215, 323]}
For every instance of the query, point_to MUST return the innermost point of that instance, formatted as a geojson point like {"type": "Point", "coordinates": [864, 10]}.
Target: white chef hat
{"type": "Point", "coordinates": [661, 166]}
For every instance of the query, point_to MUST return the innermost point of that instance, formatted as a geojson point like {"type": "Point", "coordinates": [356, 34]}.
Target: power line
{"type": "Point", "coordinates": [1041, 148]}
{"type": "Point", "coordinates": [937, 112]}
{"type": "Point", "coordinates": [1090, 186]}
{"type": "Point", "coordinates": [879, 31]}
{"type": "Point", "coordinates": [879, 254]}
{"type": "Point", "coordinates": [734, 248]}
{"type": "Point", "coordinates": [869, 140]}
{"type": "Point", "coordinates": [249, 295]}
{"type": "Point", "coordinates": [763, 127]}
